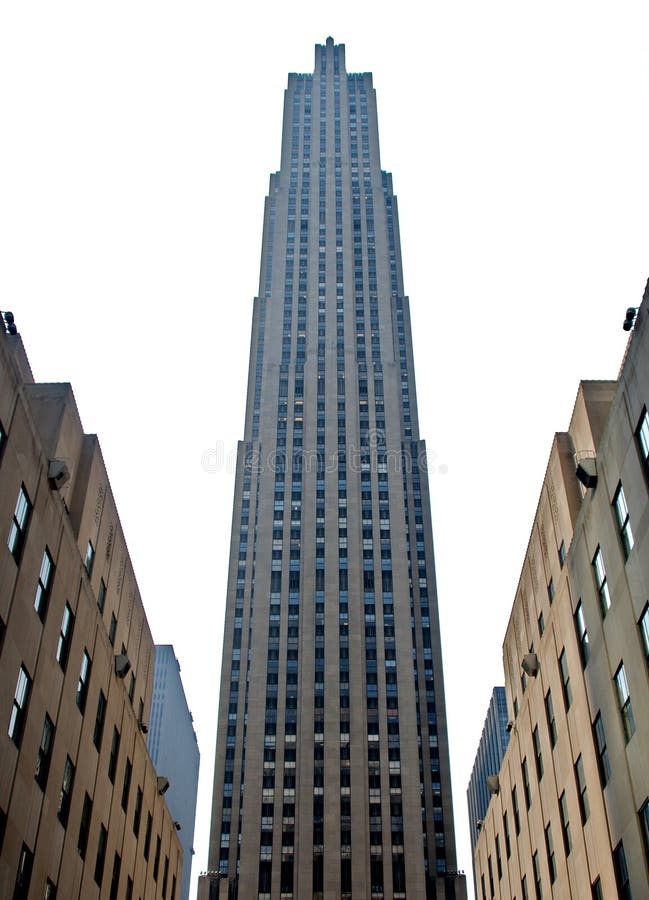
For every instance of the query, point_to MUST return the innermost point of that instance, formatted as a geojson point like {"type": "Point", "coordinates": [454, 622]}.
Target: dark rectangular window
{"type": "Point", "coordinates": [114, 753]}
{"type": "Point", "coordinates": [538, 755]}
{"type": "Point", "coordinates": [602, 752]}
{"type": "Point", "coordinates": [623, 520]}
{"type": "Point", "coordinates": [582, 634]}
{"type": "Point", "coordinates": [101, 855]}
{"type": "Point", "coordinates": [565, 679]}
{"type": "Point", "coordinates": [65, 637]}
{"type": "Point", "coordinates": [643, 625]}
{"type": "Point", "coordinates": [156, 858]}
{"type": "Point", "coordinates": [18, 530]}
{"type": "Point", "coordinates": [165, 877]}
{"type": "Point", "coordinates": [99, 720]}
{"type": "Point", "coordinates": [582, 789]}
{"type": "Point", "coordinates": [596, 889]}
{"type": "Point", "coordinates": [562, 554]}
{"type": "Point", "coordinates": [526, 784]}
{"type": "Point", "coordinates": [44, 753]}
{"type": "Point", "coordinates": [601, 581]}
{"type": "Point", "coordinates": [65, 796]}
{"type": "Point", "coordinates": [44, 586]}
{"type": "Point", "coordinates": [621, 872]}
{"type": "Point", "coordinates": [517, 818]}
{"type": "Point", "coordinates": [112, 629]}
{"type": "Point", "coordinates": [101, 595]}
{"type": "Point", "coordinates": [565, 823]}
{"type": "Point", "coordinates": [84, 827]}
{"type": "Point", "coordinates": [642, 437]}
{"type": "Point", "coordinates": [24, 873]}
{"type": "Point", "coordinates": [126, 787]}
{"type": "Point", "coordinates": [90, 558]}
{"type": "Point", "coordinates": [137, 812]}
{"type": "Point", "coordinates": [644, 827]}
{"type": "Point", "coordinates": [549, 714]}
{"type": "Point", "coordinates": [19, 706]}
{"type": "Point", "coordinates": [538, 890]}
{"type": "Point", "coordinates": [147, 836]}
{"type": "Point", "coordinates": [50, 890]}
{"type": "Point", "coordinates": [82, 684]}
{"type": "Point", "coordinates": [114, 881]}
{"type": "Point", "coordinates": [624, 702]}
{"type": "Point", "coordinates": [549, 848]}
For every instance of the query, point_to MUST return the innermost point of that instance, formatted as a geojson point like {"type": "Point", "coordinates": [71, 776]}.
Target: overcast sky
{"type": "Point", "coordinates": [136, 141]}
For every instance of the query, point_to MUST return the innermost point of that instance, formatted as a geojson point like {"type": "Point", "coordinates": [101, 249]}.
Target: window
{"type": "Point", "coordinates": [508, 846]}
{"type": "Point", "coordinates": [562, 554]}
{"type": "Point", "coordinates": [156, 858]}
{"type": "Point", "coordinates": [44, 585]}
{"type": "Point", "coordinates": [44, 753]}
{"type": "Point", "coordinates": [602, 753]}
{"type": "Point", "coordinates": [517, 818]}
{"type": "Point", "coordinates": [101, 855]}
{"type": "Point", "coordinates": [580, 777]}
{"type": "Point", "coordinates": [137, 812]}
{"type": "Point", "coordinates": [18, 530]}
{"type": "Point", "coordinates": [65, 637]}
{"type": "Point", "coordinates": [565, 679]}
{"type": "Point", "coordinates": [642, 436]}
{"type": "Point", "coordinates": [549, 848]}
{"type": "Point", "coordinates": [147, 836]}
{"type": "Point", "coordinates": [538, 755]}
{"type": "Point", "coordinates": [19, 707]}
{"type": "Point", "coordinates": [90, 558]}
{"type": "Point", "coordinates": [24, 873]}
{"type": "Point", "coordinates": [84, 827]}
{"type": "Point", "coordinates": [551, 591]}
{"type": "Point", "coordinates": [565, 823]}
{"type": "Point", "coordinates": [3, 439]}
{"type": "Point", "coordinates": [82, 684]}
{"type": "Point", "coordinates": [66, 792]}
{"type": "Point", "coordinates": [621, 872]}
{"type": "Point", "coordinates": [596, 889]}
{"type": "Point", "coordinates": [526, 784]}
{"type": "Point", "coordinates": [114, 753]}
{"type": "Point", "coordinates": [624, 702]}
{"type": "Point", "coordinates": [623, 520]}
{"type": "Point", "coordinates": [114, 881]}
{"type": "Point", "coordinates": [644, 827]}
{"type": "Point", "coordinates": [112, 629]}
{"type": "Point", "coordinates": [101, 595]}
{"type": "Point", "coordinates": [643, 625]}
{"type": "Point", "coordinates": [549, 714]}
{"type": "Point", "coordinates": [602, 583]}
{"type": "Point", "coordinates": [126, 787]}
{"type": "Point", "coordinates": [582, 634]}
{"type": "Point", "coordinates": [50, 890]}
{"type": "Point", "coordinates": [99, 720]}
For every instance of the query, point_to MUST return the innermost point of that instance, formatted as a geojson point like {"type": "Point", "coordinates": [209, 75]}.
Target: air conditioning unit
{"type": "Point", "coordinates": [122, 665]}
{"type": "Point", "coordinates": [58, 474]}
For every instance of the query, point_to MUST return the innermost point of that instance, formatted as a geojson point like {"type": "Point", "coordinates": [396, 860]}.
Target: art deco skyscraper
{"type": "Point", "coordinates": [332, 770]}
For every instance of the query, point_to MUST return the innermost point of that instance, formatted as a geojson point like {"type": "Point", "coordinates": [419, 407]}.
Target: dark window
{"type": "Point", "coordinates": [582, 789]}
{"type": "Point", "coordinates": [114, 753]}
{"type": "Point", "coordinates": [82, 684]}
{"type": "Point", "coordinates": [601, 582]}
{"type": "Point", "coordinates": [621, 872]}
{"type": "Point", "coordinates": [137, 812]}
{"type": "Point", "coordinates": [549, 714]}
{"type": "Point", "coordinates": [602, 752]}
{"type": "Point", "coordinates": [114, 881]}
{"type": "Point", "coordinates": [50, 890]}
{"type": "Point", "coordinates": [147, 836]}
{"type": "Point", "coordinates": [101, 596]}
{"type": "Point", "coordinates": [65, 796]}
{"type": "Point", "coordinates": [644, 826]}
{"type": "Point", "coordinates": [562, 554]}
{"type": "Point", "coordinates": [537, 876]}
{"type": "Point", "coordinates": [90, 558]}
{"type": "Point", "coordinates": [623, 520]}
{"type": "Point", "coordinates": [101, 855]}
{"type": "Point", "coordinates": [526, 784]}
{"type": "Point", "coordinates": [538, 755]}
{"type": "Point", "coordinates": [84, 827]}
{"type": "Point", "coordinates": [156, 858]}
{"type": "Point", "coordinates": [126, 787]}
{"type": "Point", "coordinates": [99, 720]}
{"type": "Point", "coordinates": [24, 873]}
{"type": "Point", "coordinates": [112, 629]}
{"type": "Point", "coordinates": [65, 637]}
{"type": "Point", "coordinates": [549, 847]}
{"type": "Point", "coordinates": [642, 436]}
{"type": "Point", "coordinates": [582, 634]}
{"type": "Point", "coordinates": [18, 530]}
{"type": "Point", "coordinates": [44, 586]}
{"type": "Point", "coordinates": [517, 818]}
{"type": "Point", "coordinates": [624, 702]}
{"type": "Point", "coordinates": [44, 753]}
{"type": "Point", "coordinates": [19, 706]}
{"type": "Point", "coordinates": [565, 679]}
{"type": "Point", "coordinates": [643, 625]}
{"type": "Point", "coordinates": [565, 823]}
{"type": "Point", "coordinates": [596, 890]}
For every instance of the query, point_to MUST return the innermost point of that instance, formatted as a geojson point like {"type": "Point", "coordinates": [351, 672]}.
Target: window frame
{"type": "Point", "coordinates": [20, 706]}
{"type": "Point", "coordinates": [601, 582]}
{"type": "Point", "coordinates": [44, 585]}
{"type": "Point", "coordinates": [19, 524]}
{"type": "Point", "coordinates": [623, 520]}
{"type": "Point", "coordinates": [623, 694]}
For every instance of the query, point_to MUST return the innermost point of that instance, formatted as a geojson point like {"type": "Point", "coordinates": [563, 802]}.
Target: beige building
{"type": "Point", "coordinates": [569, 814]}
{"type": "Point", "coordinates": [81, 808]}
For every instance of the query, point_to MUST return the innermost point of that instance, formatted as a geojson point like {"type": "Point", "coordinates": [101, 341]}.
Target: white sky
{"type": "Point", "coordinates": [136, 140]}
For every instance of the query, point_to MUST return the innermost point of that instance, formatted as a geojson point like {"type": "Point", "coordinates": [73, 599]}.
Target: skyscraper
{"type": "Point", "coordinates": [332, 770]}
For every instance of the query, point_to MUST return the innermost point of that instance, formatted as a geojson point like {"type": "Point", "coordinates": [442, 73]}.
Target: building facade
{"type": "Point", "coordinates": [81, 809]}
{"type": "Point", "coordinates": [174, 751]}
{"type": "Point", "coordinates": [571, 816]}
{"type": "Point", "coordinates": [491, 750]}
{"type": "Point", "coordinates": [332, 711]}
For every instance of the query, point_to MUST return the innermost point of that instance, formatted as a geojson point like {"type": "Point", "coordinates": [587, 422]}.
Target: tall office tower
{"type": "Point", "coordinates": [488, 759]}
{"type": "Point", "coordinates": [174, 750]}
{"type": "Point", "coordinates": [332, 702]}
